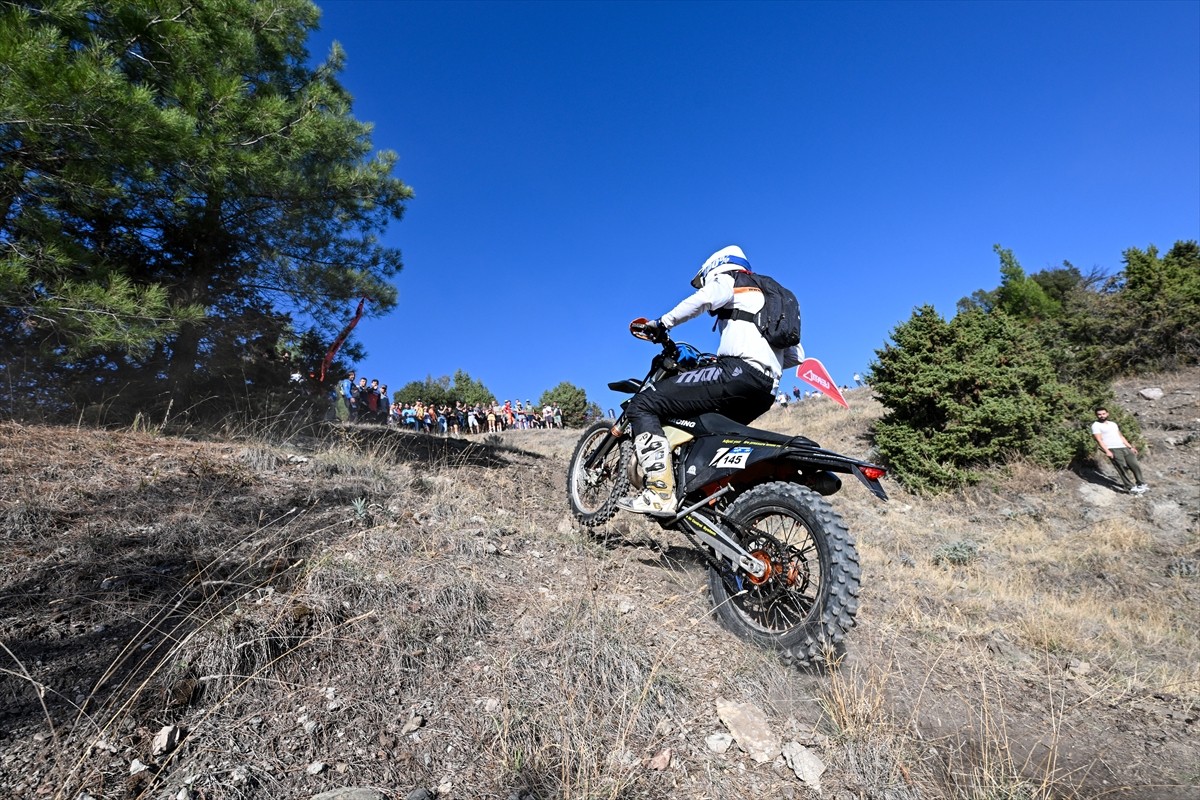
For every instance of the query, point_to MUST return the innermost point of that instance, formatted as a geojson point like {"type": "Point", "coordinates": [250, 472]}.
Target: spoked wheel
{"type": "Point", "coordinates": [593, 493]}
{"type": "Point", "coordinates": [805, 602]}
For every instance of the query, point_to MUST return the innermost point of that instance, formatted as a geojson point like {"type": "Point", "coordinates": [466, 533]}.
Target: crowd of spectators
{"type": "Point", "coordinates": [783, 401]}
{"type": "Point", "coordinates": [369, 401]}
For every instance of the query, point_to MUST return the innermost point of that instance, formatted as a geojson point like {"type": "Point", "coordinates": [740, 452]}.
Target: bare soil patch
{"type": "Point", "coordinates": [374, 609]}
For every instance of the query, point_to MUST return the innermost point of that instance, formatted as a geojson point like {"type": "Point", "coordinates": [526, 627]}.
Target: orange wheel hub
{"type": "Point", "coordinates": [772, 569]}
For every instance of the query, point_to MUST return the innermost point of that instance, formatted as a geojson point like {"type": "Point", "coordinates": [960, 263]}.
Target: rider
{"type": "Point", "coordinates": [740, 384]}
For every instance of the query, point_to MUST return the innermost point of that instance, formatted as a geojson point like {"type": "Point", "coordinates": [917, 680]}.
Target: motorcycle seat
{"type": "Point", "coordinates": [718, 423]}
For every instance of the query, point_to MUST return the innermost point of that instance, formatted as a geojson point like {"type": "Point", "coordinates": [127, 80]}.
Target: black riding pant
{"type": "Point", "coordinates": [730, 386]}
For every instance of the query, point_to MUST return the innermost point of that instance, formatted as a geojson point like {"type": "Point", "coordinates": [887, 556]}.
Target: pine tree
{"type": "Point", "coordinates": [573, 402]}
{"type": "Point", "coordinates": [965, 394]}
{"type": "Point", "coordinates": [179, 186]}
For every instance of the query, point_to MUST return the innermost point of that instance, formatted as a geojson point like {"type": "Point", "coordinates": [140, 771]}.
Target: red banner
{"type": "Point", "coordinates": [812, 371]}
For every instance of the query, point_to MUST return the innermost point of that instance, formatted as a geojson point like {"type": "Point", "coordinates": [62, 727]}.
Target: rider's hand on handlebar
{"type": "Point", "coordinates": [650, 329]}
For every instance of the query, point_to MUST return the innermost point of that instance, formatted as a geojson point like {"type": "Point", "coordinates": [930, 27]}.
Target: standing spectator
{"type": "Point", "coordinates": [1122, 454]}
{"type": "Point", "coordinates": [346, 390]}
{"type": "Point", "coordinates": [557, 416]}
{"type": "Point", "coordinates": [360, 400]}
{"type": "Point", "coordinates": [796, 393]}
{"type": "Point", "coordinates": [371, 412]}
{"type": "Point", "coordinates": [782, 399]}
{"type": "Point", "coordinates": [473, 419]}
{"type": "Point", "coordinates": [857, 379]}
{"type": "Point", "coordinates": [385, 404]}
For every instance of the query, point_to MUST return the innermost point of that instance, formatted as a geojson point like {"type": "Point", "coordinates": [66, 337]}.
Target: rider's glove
{"type": "Point", "coordinates": [651, 329]}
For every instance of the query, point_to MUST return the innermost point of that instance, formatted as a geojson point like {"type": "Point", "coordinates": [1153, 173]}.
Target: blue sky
{"type": "Point", "coordinates": [573, 164]}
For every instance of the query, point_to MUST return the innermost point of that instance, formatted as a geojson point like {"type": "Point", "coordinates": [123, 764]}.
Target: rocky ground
{"type": "Point", "coordinates": [376, 615]}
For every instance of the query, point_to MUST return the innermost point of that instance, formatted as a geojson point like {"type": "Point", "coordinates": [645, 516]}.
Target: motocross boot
{"type": "Point", "coordinates": [654, 455]}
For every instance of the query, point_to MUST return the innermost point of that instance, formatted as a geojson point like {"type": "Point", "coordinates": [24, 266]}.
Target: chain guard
{"type": "Point", "coordinates": [728, 572]}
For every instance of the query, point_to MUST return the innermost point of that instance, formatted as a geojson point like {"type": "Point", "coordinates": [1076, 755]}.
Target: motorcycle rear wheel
{"type": "Point", "coordinates": [806, 604]}
{"type": "Point", "coordinates": [593, 494]}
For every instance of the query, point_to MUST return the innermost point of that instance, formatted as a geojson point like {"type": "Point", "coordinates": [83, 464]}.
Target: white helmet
{"type": "Point", "coordinates": [727, 259]}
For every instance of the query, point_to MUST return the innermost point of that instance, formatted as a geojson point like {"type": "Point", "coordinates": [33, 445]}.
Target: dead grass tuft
{"type": "Point", "coordinates": [419, 611]}
{"type": "Point", "coordinates": [592, 705]}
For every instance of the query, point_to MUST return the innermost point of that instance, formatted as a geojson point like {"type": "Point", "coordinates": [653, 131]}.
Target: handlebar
{"type": "Point", "coordinates": [675, 355]}
{"type": "Point", "coordinates": [649, 331]}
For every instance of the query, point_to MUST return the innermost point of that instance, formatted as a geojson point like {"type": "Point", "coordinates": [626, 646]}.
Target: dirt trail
{"type": "Point", "coordinates": [400, 612]}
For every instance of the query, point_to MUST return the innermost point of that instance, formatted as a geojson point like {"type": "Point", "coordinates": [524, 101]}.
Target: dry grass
{"type": "Point", "coordinates": [1082, 599]}
{"type": "Point", "coordinates": [895, 751]}
{"type": "Point", "coordinates": [414, 611]}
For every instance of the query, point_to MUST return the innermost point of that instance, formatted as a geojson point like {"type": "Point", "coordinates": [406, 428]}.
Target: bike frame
{"type": "Point", "coordinates": [700, 518]}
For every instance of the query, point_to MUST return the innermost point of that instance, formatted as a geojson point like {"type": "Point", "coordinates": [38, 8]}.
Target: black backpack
{"type": "Point", "coordinates": [779, 319]}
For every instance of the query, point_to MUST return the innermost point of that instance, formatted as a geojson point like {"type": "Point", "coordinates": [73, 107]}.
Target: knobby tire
{"type": "Point", "coordinates": [807, 617]}
{"type": "Point", "coordinates": [593, 494]}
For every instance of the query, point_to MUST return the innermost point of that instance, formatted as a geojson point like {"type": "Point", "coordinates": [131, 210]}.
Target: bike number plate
{"type": "Point", "coordinates": [731, 458]}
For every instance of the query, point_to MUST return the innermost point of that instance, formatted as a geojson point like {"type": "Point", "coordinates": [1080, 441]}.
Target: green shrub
{"type": "Point", "coordinates": [968, 393]}
{"type": "Point", "coordinates": [956, 554]}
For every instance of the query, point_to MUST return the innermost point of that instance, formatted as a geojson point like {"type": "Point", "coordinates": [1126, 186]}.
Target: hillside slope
{"type": "Point", "coordinates": [399, 613]}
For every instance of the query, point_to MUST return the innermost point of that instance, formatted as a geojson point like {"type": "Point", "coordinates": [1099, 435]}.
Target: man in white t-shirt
{"type": "Point", "coordinates": [1120, 451]}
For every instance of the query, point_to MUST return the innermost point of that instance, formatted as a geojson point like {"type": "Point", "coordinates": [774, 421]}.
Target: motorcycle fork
{"type": "Point", "coordinates": [620, 428]}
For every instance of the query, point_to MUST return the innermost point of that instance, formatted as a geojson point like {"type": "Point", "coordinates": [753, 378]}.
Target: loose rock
{"type": "Point", "coordinates": [748, 725]}
{"type": "Point", "coordinates": [805, 763]}
{"type": "Point", "coordinates": [167, 740]}
{"type": "Point", "coordinates": [350, 793]}
{"type": "Point", "coordinates": [719, 742]}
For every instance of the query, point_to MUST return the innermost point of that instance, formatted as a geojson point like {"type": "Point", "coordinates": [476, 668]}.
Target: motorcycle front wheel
{"type": "Point", "coordinates": [804, 605]}
{"type": "Point", "coordinates": [593, 493]}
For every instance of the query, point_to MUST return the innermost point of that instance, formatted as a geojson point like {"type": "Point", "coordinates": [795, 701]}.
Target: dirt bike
{"type": "Point", "coordinates": [782, 566]}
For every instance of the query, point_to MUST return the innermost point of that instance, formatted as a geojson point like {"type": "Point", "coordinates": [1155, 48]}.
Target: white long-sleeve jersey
{"type": "Point", "coordinates": [739, 338]}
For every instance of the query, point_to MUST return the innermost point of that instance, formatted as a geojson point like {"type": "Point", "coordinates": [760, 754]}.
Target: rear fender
{"type": "Point", "coordinates": [716, 460]}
